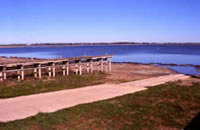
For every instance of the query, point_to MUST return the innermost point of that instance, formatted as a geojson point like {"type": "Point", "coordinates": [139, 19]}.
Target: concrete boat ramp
{"type": "Point", "coordinates": [25, 106]}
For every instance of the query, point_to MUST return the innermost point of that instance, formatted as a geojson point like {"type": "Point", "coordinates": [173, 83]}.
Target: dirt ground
{"type": "Point", "coordinates": [123, 72]}
{"type": "Point", "coordinates": [189, 81]}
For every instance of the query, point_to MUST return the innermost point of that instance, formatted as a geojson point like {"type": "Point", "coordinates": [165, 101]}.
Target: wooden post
{"type": "Point", "coordinates": [102, 65]}
{"type": "Point", "coordinates": [1, 76]}
{"type": "Point", "coordinates": [54, 70]}
{"type": "Point", "coordinates": [110, 64]}
{"type": "Point", "coordinates": [106, 65]}
{"type": "Point", "coordinates": [22, 72]}
{"type": "Point", "coordinates": [64, 70]}
{"type": "Point", "coordinates": [91, 66]}
{"type": "Point", "coordinates": [80, 68]}
{"type": "Point", "coordinates": [88, 69]}
{"type": "Point", "coordinates": [98, 65]}
{"type": "Point", "coordinates": [49, 71]}
{"type": "Point", "coordinates": [39, 71]}
{"type": "Point", "coordinates": [35, 72]}
{"type": "Point", "coordinates": [4, 73]}
{"type": "Point", "coordinates": [18, 75]}
{"type": "Point", "coordinates": [67, 68]}
{"type": "Point", "coordinates": [76, 68]}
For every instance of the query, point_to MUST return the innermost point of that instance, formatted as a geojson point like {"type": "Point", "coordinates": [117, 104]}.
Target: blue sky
{"type": "Point", "coordinates": [38, 21]}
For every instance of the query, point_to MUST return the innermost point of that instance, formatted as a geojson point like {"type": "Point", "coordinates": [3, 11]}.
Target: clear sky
{"type": "Point", "coordinates": [36, 21]}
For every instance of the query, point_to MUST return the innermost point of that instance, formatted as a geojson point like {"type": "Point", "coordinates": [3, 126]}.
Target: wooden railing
{"type": "Point", "coordinates": [77, 65]}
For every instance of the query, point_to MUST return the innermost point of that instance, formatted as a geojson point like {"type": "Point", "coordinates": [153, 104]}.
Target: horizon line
{"type": "Point", "coordinates": [40, 43]}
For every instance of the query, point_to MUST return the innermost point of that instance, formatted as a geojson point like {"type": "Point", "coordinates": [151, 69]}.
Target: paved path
{"type": "Point", "coordinates": [26, 106]}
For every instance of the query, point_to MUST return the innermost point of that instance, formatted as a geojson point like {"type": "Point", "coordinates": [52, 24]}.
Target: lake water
{"type": "Point", "coordinates": [165, 54]}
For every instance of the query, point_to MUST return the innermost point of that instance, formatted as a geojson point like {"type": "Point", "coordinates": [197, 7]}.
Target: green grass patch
{"type": "Point", "coordinates": [168, 106]}
{"type": "Point", "coordinates": [28, 87]}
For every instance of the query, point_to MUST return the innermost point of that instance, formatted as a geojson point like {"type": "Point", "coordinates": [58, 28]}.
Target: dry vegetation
{"type": "Point", "coordinates": [165, 107]}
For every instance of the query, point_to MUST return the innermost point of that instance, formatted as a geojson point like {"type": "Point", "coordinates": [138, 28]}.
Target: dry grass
{"type": "Point", "coordinates": [168, 106]}
{"type": "Point", "coordinates": [27, 87]}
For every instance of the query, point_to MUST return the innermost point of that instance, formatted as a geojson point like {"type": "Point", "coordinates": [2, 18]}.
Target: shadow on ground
{"type": "Point", "coordinates": [194, 124]}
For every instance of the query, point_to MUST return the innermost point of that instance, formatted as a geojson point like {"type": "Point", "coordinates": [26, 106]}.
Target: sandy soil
{"type": "Point", "coordinates": [123, 72]}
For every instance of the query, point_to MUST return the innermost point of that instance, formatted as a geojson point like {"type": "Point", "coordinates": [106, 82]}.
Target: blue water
{"type": "Point", "coordinates": [166, 54]}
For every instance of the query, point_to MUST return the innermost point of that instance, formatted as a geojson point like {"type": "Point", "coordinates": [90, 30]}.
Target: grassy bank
{"type": "Point", "coordinates": [59, 83]}
{"type": "Point", "coordinates": [162, 107]}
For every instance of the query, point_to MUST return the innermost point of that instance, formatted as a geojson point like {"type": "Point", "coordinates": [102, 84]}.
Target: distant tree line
{"type": "Point", "coordinates": [95, 43]}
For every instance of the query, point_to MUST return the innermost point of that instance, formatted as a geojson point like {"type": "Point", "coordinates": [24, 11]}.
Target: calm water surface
{"type": "Point", "coordinates": [166, 54]}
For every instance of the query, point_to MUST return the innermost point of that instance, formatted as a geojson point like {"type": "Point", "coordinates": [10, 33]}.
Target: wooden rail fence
{"type": "Point", "coordinates": [77, 65]}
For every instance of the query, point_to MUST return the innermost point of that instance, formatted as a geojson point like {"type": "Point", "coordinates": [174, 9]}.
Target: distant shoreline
{"type": "Point", "coordinates": [89, 44]}
{"type": "Point", "coordinates": [151, 63]}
